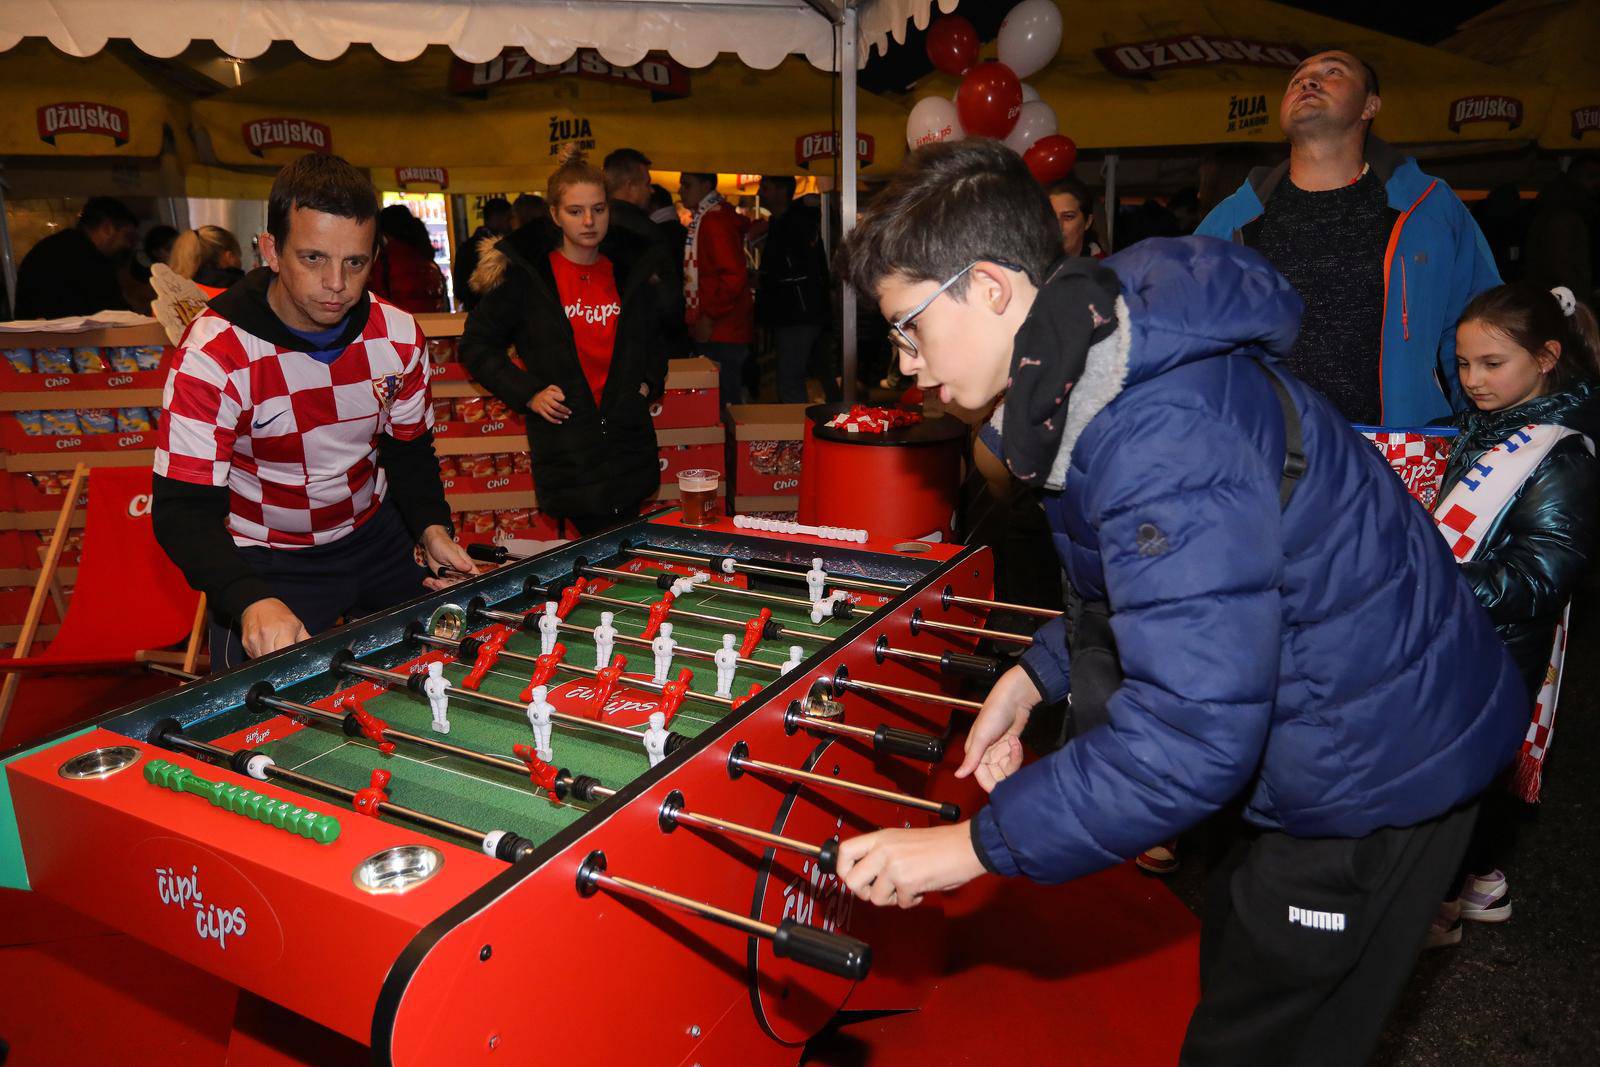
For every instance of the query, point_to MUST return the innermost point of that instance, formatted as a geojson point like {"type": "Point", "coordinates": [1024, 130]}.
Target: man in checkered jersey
{"type": "Point", "coordinates": [295, 478]}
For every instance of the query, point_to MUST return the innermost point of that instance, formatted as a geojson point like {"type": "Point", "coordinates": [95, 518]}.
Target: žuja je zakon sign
{"type": "Point", "coordinates": [82, 116]}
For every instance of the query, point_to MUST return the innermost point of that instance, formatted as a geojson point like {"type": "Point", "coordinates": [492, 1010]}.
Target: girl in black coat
{"type": "Point", "coordinates": [580, 312]}
{"type": "Point", "coordinates": [1526, 357]}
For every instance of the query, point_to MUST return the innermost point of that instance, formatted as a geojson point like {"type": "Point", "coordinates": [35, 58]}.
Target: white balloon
{"type": "Point", "coordinates": [1030, 36]}
{"type": "Point", "coordinates": [1029, 93]}
{"type": "Point", "coordinates": [933, 119]}
{"type": "Point", "coordinates": [1038, 119]}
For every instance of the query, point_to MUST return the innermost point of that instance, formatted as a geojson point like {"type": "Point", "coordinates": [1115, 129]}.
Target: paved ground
{"type": "Point", "coordinates": [1526, 991]}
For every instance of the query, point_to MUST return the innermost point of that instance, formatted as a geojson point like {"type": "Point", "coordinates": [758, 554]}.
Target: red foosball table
{"type": "Point", "coordinates": [585, 805]}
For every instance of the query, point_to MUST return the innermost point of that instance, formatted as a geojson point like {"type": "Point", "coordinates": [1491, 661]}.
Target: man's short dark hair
{"type": "Point", "coordinates": [529, 207]}
{"type": "Point", "coordinates": [1074, 188]}
{"type": "Point", "coordinates": [953, 203]}
{"type": "Point", "coordinates": [319, 182]}
{"type": "Point", "coordinates": [659, 197]}
{"type": "Point", "coordinates": [624, 164]}
{"type": "Point", "coordinates": [785, 182]}
{"type": "Point", "coordinates": [98, 210]}
{"type": "Point", "coordinates": [496, 205]}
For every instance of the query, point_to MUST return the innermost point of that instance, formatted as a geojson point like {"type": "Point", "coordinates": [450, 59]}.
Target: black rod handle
{"type": "Point", "coordinates": [489, 553]}
{"type": "Point", "coordinates": [966, 665]}
{"type": "Point", "coordinates": [837, 954]}
{"type": "Point", "coordinates": [908, 743]}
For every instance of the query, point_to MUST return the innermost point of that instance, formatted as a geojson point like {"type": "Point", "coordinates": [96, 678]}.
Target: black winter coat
{"type": "Point", "coordinates": [1532, 557]}
{"type": "Point", "coordinates": [603, 459]}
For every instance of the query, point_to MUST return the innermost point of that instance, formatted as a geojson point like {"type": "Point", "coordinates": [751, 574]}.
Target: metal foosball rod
{"type": "Point", "coordinates": [673, 813]}
{"type": "Point", "coordinates": [765, 568]}
{"type": "Point", "coordinates": [772, 629]}
{"type": "Point", "coordinates": [739, 762]}
{"type": "Point", "coordinates": [510, 618]}
{"type": "Point", "coordinates": [837, 954]}
{"type": "Point", "coordinates": [949, 597]}
{"type": "Point", "coordinates": [955, 664]}
{"type": "Point", "coordinates": [501, 844]}
{"type": "Point", "coordinates": [344, 662]}
{"type": "Point", "coordinates": [885, 738]}
{"type": "Point", "coordinates": [842, 610]}
{"type": "Point", "coordinates": [466, 652]}
{"type": "Point", "coordinates": [918, 624]}
{"type": "Point", "coordinates": [583, 787]}
{"type": "Point", "coordinates": [843, 682]}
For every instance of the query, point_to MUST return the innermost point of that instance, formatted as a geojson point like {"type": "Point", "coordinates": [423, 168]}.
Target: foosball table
{"type": "Point", "coordinates": [586, 804]}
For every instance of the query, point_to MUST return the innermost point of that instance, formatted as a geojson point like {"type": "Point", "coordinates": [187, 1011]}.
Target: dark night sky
{"type": "Point", "coordinates": [1422, 22]}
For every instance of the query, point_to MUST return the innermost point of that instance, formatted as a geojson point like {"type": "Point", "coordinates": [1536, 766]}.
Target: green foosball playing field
{"type": "Point", "coordinates": [488, 798]}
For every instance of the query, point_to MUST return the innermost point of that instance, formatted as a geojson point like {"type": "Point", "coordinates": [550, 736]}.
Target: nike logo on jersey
{"type": "Point", "coordinates": [263, 425]}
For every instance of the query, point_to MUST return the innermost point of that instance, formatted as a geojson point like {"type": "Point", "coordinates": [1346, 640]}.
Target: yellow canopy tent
{"type": "Point", "coordinates": [54, 105]}
{"type": "Point", "coordinates": [1155, 73]}
{"type": "Point", "coordinates": [1557, 41]}
{"type": "Point", "coordinates": [404, 118]}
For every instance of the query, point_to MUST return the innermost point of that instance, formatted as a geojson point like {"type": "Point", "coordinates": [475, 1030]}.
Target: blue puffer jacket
{"type": "Point", "coordinates": [1329, 657]}
{"type": "Point", "coordinates": [1437, 260]}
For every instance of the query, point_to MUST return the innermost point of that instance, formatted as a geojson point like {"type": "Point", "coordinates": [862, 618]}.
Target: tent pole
{"type": "Point", "coordinates": [849, 167]}
{"type": "Point", "coordinates": [1108, 170]}
{"type": "Point", "coordinates": [6, 256]}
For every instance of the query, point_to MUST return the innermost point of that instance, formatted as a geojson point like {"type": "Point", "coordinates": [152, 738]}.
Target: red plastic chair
{"type": "Point", "coordinates": [129, 608]}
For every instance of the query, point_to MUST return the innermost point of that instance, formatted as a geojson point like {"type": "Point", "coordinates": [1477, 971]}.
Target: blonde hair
{"type": "Point", "coordinates": [575, 169]}
{"type": "Point", "coordinates": [197, 249]}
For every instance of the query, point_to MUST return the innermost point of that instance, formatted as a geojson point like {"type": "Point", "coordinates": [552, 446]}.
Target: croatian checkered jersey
{"type": "Point", "coordinates": [293, 439]}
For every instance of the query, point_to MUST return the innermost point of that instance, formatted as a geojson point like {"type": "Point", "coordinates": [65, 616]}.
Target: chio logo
{"type": "Point", "coordinates": [492, 427]}
{"type": "Point", "coordinates": [497, 483]}
{"type": "Point", "coordinates": [56, 382]}
{"type": "Point", "coordinates": [785, 483]}
{"type": "Point", "coordinates": [69, 442]}
{"type": "Point", "coordinates": [119, 379]}
{"type": "Point", "coordinates": [139, 506]}
{"type": "Point", "coordinates": [128, 440]}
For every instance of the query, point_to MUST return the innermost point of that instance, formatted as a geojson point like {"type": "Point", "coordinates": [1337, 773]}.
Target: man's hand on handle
{"type": "Point", "coordinates": [268, 625]}
{"type": "Point", "coordinates": [993, 748]}
{"type": "Point", "coordinates": [439, 552]}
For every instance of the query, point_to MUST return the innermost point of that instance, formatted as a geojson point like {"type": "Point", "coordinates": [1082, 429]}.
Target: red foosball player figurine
{"type": "Point", "coordinates": [605, 684]}
{"type": "Point", "coordinates": [673, 692]}
{"type": "Point", "coordinates": [570, 596]}
{"type": "Point", "coordinates": [754, 629]}
{"type": "Point", "coordinates": [737, 701]}
{"type": "Point", "coordinates": [658, 615]}
{"type": "Point", "coordinates": [544, 668]}
{"type": "Point", "coordinates": [540, 773]}
{"type": "Point", "coordinates": [372, 727]}
{"type": "Point", "coordinates": [366, 800]}
{"type": "Point", "coordinates": [489, 650]}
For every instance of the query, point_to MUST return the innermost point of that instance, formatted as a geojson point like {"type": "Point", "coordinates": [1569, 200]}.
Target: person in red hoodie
{"type": "Point", "coordinates": [404, 273]}
{"type": "Point", "coordinates": [719, 304]}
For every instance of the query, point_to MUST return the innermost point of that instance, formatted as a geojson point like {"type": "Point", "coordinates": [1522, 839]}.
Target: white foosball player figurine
{"type": "Point", "coordinates": [539, 709]}
{"type": "Point", "coordinates": [434, 687]}
{"type": "Point", "coordinates": [796, 654]}
{"type": "Point", "coordinates": [655, 738]}
{"type": "Point", "coordinates": [549, 623]}
{"type": "Point", "coordinates": [662, 646]}
{"type": "Point", "coordinates": [605, 635]}
{"type": "Point", "coordinates": [686, 585]}
{"type": "Point", "coordinates": [816, 581]}
{"type": "Point", "coordinates": [727, 659]}
{"type": "Point", "coordinates": [823, 609]}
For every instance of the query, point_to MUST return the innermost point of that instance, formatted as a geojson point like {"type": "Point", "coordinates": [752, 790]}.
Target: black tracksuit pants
{"type": "Point", "coordinates": [1306, 943]}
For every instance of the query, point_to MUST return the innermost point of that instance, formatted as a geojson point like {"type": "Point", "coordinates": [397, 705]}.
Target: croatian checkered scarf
{"type": "Point", "coordinates": [1075, 308]}
{"type": "Point", "coordinates": [1465, 516]}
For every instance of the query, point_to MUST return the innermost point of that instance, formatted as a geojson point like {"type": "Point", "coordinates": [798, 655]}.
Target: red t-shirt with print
{"type": "Point", "coordinates": [589, 297]}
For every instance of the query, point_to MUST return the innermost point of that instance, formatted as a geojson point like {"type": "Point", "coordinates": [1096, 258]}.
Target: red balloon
{"type": "Point", "coordinates": [952, 44]}
{"type": "Point", "coordinates": [1051, 158]}
{"type": "Point", "coordinates": [989, 100]}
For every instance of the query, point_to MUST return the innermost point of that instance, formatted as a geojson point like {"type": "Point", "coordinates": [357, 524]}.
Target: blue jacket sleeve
{"type": "Point", "coordinates": [1472, 271]}
{"type": "Point", "coordinates": [1046, 660]}
{"type": "Point", "coordinates": [1187, 511]}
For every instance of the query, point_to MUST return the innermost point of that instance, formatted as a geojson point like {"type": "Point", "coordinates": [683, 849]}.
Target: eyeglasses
{"type": "Point", "coordinates": [898, 337]}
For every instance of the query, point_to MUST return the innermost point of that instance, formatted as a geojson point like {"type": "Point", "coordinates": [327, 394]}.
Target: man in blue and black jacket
{"type": "Point", "coordinates": [1246, 625]}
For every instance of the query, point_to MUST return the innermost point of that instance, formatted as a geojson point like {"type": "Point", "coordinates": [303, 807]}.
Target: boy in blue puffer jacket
{"type": "Point", "coordinates": [1292, 634]}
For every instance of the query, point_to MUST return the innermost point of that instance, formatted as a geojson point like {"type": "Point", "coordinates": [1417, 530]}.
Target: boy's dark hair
{"type": "Point", "coordinates": [529, 208]}
{"type": "Point", "coordinates": [496, 205]}
{"type": "Point", "coordinates": [659, 197]}
{"type": "Point", "coordinates": [102, 209]}
{"type": "Point", "coordinates": [1530, 316]}
{"type": "Point", "coordinates": [953, 203]}
{"type": "Point", "coordinates": [1076, 189]}
{"type": "Point", "coordinates": [319, 182]}
{"type": "Point", "coordinates": [623, 165]}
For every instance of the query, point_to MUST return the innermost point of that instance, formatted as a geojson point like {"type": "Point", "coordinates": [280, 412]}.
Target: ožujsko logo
{"type": "Point", "coordinates": [810, 147]}
{"type": "Point", "coordinates": [1485, 107]}
{"type": "Point", "coordinates": [405, 176]}
{"type": "Point", "coordinates": [287, 133]}
{"type": "Point", "coordinates": [1585, 119]}
{"type": "Point", "coordinates": [1139, 58]}
{"type": "Point", "coordinates": [83, 116]}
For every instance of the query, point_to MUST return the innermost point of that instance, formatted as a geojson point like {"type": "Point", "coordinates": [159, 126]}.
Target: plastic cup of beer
{"type": "Point", "coordinates": [697, 495]}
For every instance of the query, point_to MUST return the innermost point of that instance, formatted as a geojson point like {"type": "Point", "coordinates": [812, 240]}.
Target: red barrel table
{"type": "Point", "coordinates": [903, 483]}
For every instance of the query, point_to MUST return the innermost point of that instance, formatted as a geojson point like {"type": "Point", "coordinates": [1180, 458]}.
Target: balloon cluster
{"type": "Point", "coordinates": [992, 101]}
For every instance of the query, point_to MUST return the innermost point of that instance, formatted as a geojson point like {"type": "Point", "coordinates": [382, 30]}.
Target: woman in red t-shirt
{"type": "Point", "coordinates": [579, 308]}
